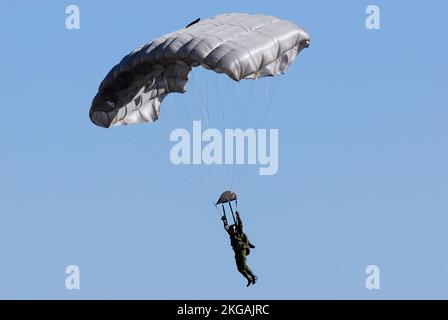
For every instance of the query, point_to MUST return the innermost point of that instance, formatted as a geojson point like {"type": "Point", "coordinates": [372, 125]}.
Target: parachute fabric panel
{"type": "Point", "coordinates": [240, 45]}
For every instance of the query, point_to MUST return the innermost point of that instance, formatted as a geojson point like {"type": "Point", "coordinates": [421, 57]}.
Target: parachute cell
{"type": "Point", "coordinates": [240, 45]}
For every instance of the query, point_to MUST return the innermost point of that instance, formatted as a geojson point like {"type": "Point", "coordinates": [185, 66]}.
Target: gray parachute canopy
{"type": "Point", "coordinates": [240, 45]}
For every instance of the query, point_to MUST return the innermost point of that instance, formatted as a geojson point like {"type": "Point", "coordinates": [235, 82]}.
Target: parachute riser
{"type": "Point", "coordinates": [233, 214]}
{"type": "Point", "coordinates": [223, 212]}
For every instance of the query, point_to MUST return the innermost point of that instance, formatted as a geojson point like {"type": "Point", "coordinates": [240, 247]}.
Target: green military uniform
{"type": "Point", "coordinates": [241, 246]}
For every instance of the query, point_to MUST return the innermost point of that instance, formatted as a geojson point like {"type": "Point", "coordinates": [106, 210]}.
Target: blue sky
{"type": "Point", "coordinates": [362, 173]}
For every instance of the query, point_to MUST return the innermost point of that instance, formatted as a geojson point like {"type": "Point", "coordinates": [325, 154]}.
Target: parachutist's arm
{"type": "Point", "coordinates": [226, 225]}
{"type": "Point", "coordinates": [239, 221]}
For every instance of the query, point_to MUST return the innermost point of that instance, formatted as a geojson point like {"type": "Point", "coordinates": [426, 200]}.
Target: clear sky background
{"type": "Point", "coordinates": [362, 118]}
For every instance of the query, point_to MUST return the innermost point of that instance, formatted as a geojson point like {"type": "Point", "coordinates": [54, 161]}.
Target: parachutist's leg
{"type": "Point", "coordinates": [246, 275]}
{"type": "Point", "coordinates": [246, 269]}
{"type": "Point", "coordinates": [243, 268]}
{"type": "Point", "coordinates": [249, 271]}
{"type": "Point", "coordinates": [251, 274]}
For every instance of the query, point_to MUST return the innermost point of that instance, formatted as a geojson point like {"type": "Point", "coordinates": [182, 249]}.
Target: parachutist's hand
{"type": "Point", "coordinates": [223, 218]}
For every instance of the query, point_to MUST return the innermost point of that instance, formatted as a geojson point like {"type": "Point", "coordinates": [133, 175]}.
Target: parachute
{"type": "Point", "coordinates": [228, 197]}
{"type": "Point", "coordinates": [240, 45]}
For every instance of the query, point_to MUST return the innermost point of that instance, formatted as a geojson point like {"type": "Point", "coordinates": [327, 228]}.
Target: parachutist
{"type": "Point", "coordinates": [241, 245]}
{"type": "Point", "coordinates": [238, 239]}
